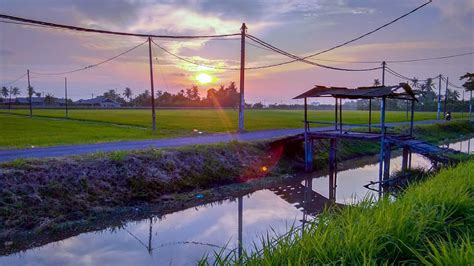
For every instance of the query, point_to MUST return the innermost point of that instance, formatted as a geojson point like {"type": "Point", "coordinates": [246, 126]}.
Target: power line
{"type": "Point", "coordinates": [352, 40]}
{"type": "Point", "coordinates": [17, 79]}
{"type": "Point", "coordinates": [376, 61]}
{"type": "Point", "coordinates": [277, 50]}
{"type": "Point", "coordinates": [90, 66]}
{"type": "Point", "coordinates": [452, 85]}
{"type": "Point", "coordinates": [191, 61]}
{"type": "Point", "coordinates": [75, 28]}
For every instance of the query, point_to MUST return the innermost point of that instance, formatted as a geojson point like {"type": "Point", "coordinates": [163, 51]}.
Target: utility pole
{"type": "Point", "coordinates": [470, 104]}
{"type": "Point", "coordinates": [439, 98]}
{"type": "Point", "coordinates": [383, 72]}
{"type": "Point", "coordinates": [65, 93]}
{"type": "Point", "coordinates": [446, 96]}
{"type": "Point", "coordinates": [462, 104]}
{"type": "Point", "coordinates": [243, 31]}
{"type": "Point", "coordinates": [30, 92]}
{"type": "Point", "coordinates": [153, 114]}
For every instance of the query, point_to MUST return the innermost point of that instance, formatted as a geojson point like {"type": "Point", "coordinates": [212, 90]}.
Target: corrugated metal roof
{"type": "Point", "coordinates": [361, 92]}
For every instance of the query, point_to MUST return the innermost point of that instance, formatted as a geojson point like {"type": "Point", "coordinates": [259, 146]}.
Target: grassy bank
{"type": "Point", "coordinates": [430, 223]}
{"type": "Point", "coordinates": [49, 127]}
{"type": "Point", "coordinates": [59, 194]}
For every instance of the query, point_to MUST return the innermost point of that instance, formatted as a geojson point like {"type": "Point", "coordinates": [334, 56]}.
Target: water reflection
{"type": "Point", "coordinates": [181, 238]}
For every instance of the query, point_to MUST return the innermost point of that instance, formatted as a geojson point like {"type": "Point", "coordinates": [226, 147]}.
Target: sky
{"type": "Point", "coordinates": [300, 27]}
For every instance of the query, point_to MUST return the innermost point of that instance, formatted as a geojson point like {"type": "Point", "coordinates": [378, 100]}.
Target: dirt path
{"type": "Point", "coordinates": [8, 155]}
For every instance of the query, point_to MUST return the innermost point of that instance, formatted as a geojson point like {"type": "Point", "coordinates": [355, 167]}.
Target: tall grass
{"type": "Point", "coordinates": [430, 223]}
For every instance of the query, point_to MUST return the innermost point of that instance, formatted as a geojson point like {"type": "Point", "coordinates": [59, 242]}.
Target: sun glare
{"type": "Point", "coordinates": [203, 78]}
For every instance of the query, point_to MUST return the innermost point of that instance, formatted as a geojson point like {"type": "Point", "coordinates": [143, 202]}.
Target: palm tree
{"type": "Point", "coordinates": [414, 82]}
{"type": "Point", "coordinates": [376, 82]}
{"type": "Point", "coordinates": [5, 92]}
{"type": "Point", "coordinates": [13, 91]}
{"type": "Point", "coordinates": [128, 93]}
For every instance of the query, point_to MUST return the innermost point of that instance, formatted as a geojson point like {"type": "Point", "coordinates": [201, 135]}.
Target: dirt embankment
{"type": "Point", "coordinates": [38, 197]}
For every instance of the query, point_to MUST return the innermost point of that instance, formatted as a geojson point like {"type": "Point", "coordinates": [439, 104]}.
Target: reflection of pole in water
{"type": "Point", "coordinates": [149, 248]}
{"type": "Point", "coordinates": [240, 207]}
{"type": "Point", "coordinates": [332, 169]}
{"type": "Point", "coordinates": [308, 188]}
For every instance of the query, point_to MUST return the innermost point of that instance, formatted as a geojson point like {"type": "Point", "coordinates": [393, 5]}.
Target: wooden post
{"type": "Point", "coordinates": [308, 150]}
{"type": "Point", "coordinates": [332, 168]}
{"type": "Point", "coordinates": [153, 114]}
{"type": "Point", "coordinates": [150, 235]}
{"type": "Point", "coordinates": [439, 98]}
{"type": "Point", "coordinates": [370, 115]}
{"type": "Point", "coordinates": [405, 159]}
{"type": "Point", "coordinates": [446, 96]}
{"type": "Point", "coordinates": [386, 163]}
{"type": "Point", "coordinates": [340, 115]}
{"type": "Point", "coordinates": [470, 104]}
{"type": "Point", "coordinates": [242, 77]}
{"type": "Point", "coordinates": [30, 92]}
{"type": "Point", "coordinates": [412, 116]}
{"type": "Point", "coordinates": [335, 113]}
{"type": "Point", "coordinates": [240, 224]}
{"type": "Point", "coordinates": [382, 143]}
{"type": "Point", "coordinates": [65, 96]}
{"type": "Point", "coordinates": [383, 72]}
{"type": "Point", "coordinates": [306, 127]}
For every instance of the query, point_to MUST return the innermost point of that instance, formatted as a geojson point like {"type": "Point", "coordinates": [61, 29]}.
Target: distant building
{"type": "Point", "coordinates": [100, 101]}
{"type": "Point", "coordinates": [35, 101]}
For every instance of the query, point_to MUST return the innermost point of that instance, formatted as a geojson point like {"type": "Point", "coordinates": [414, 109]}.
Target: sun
{"type": "Point", "coordinates": [204, 78]}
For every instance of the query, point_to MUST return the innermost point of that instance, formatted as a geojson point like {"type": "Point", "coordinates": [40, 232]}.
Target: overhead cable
{"type": "Point", "coordinates": [82, 29]}
{"type": "Point", "coordinates": [89, 66]}
{"type": "Point", "coordinates": [352, 40]}
{"type": "Point", "coordinates": [15, 80]}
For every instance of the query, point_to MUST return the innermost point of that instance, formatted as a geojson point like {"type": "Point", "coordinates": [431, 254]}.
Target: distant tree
{"type": "Point", "coordinates": [49, 99]}
{"type": "Point", "coordinates": [128, 93]}
{"type": "Point", "coordinates": [15, 91]}
{"type": "Point", "coordinates": [258, 105]}
{"type": "Point", "coordinates": [453, 96]}
{"type": "Point", "coordinates": [193, 93]}
{"type": "Point", "coordinates": [5, 92]}
{"type": "Point", "coordinates": [376, 82]}
{"type": "Point", "coordinates": [469, 84]}
{"type": "Point", "coordinates": [414, 82]}
{"type": "Point", "coordinates": [31, 91]}
{"type": "Point", "coordinates": [38, 94]}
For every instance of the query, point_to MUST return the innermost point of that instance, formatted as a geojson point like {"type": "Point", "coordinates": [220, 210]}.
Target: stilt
{"type": "Point", "coordinates": [308, 153]}
{"type": "Point", "coordinates": [405, 159]}
{"type": "Point", "coordinates": [332, 168]}
{"type": "Point", "coordinates": [386, 163]}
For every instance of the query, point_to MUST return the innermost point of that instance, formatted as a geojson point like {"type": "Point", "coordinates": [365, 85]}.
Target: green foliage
{"type": "Point", "coordinates": [117, 156]}
{"type": "Point", "coordinates": [430, 223]}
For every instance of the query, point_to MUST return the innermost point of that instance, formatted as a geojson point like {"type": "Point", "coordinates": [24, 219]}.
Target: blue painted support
{"type": "Point", "coordinates": [382, 143]}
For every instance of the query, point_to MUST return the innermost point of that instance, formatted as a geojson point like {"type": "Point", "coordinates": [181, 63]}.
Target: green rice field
{"type": "Point", "coordinates": [49, 127]}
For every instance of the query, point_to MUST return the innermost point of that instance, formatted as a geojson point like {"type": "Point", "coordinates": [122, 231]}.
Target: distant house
{"type": "Point", "coordinates": [35, 101]}
{"type": "Point", "coordinates": [98, 102]}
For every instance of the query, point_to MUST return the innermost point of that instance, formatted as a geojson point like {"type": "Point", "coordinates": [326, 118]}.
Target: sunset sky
{"type": "Point", "coordinates": [301, 27]}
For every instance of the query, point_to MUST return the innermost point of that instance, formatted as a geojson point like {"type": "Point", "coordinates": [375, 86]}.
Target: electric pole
{"type": "Point", "coordinates": [446, 96]}
{"type": "Point", "coordinates": [153, 114]}
{"type": "Point", "coordinates": [462, 104]}
{"type": "Point", "coordinates": [439, 98]}
{"type": "Point", "coordinates": [30, 92]}
{"type": "Point", "coordinates": [65, 95]}
{"type": "Point", "coordinates": [470, 104]}
{"type": "Point", "coordinates": [383, 72]}
{"type": "Point", "coordinates": [243, 30]}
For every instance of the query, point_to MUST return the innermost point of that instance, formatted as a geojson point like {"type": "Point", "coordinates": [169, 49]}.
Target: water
{"type": "Point", "coordinates": [183, 237]}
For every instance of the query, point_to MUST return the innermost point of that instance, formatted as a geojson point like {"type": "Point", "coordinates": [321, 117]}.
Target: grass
{"type": "Point", "coordinates": [92, 126]}
{"type": "Point", "coordinates": [430, 223]}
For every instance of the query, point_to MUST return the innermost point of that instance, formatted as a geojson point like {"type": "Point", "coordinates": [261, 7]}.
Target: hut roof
{"type": "Point", "coordinates": [402, 91]}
